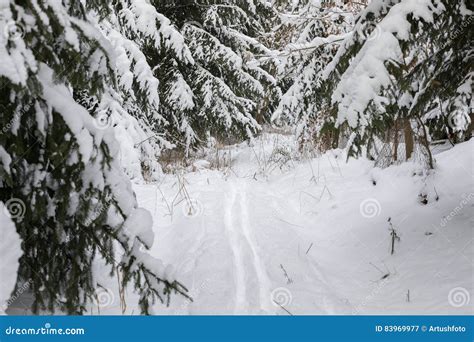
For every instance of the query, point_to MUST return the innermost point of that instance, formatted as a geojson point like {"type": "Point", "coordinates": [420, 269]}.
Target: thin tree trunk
{"type": "Point", "coordinates": [409, 144]}
{"type": "Point", "coordinates": [395, 141]}
{"type": "Point", "coordinates": [425, 142]}
{"type": "Point", "coordinates": [471, 127]}
{"type": "Point", "coordinates": [335, 141]}
{"type": "Point", "coordinates": [259, 117]}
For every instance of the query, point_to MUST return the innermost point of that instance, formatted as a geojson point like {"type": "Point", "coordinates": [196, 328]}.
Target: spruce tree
{"type": "Point", "coordinates": [416, 69]}
{"type": "Point", "coordinates": [226, 90]}
{"type": "Point", "coordinates": [59, 163]}
{"type": "Point", "coordinates": [310, 32]}
{"type": "Point", "coordinates": [132, 107]}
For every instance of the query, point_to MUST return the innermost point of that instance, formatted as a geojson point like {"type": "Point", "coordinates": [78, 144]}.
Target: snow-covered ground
{"type": "Point", "coordinates": [267, 234]}
{"type": "Point", "coordinates": [10, 247]}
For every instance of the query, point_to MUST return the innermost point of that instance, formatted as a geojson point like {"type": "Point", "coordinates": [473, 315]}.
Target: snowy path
{"type": "Point", "coordinates": [259, 267]}
{"type": "Point", "coordinates": [251, 280]}
{"type": "Point", "coordinates": [240, 231]}
{"type": "Point", "coordinates": [300, 241]}
{"type": "Point", "coordinates": [232, 223]}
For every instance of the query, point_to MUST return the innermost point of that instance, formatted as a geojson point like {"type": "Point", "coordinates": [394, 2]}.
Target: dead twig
{"type": "Point", "coordinates": [281, 306]}
{"type": "Point", "coordinates": [288, 279]}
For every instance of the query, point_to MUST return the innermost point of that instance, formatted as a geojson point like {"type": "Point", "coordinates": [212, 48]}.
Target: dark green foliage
{"type": "Point", "coordinates": [432, 85]}
{"type": "Point", "coordinates": [68, 195]}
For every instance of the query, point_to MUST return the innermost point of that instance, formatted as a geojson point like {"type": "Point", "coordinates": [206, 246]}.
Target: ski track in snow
{"type": "Point", "coordinates": [241, 213]}
{"type": "Point", "coordinates": [263, 282]}
{"type": "Point", "coordinates": [247, 263]}
{"type": "Point", "coordinates": [252, 288]}
{"type": "Point", "coordinates": [232, 227]}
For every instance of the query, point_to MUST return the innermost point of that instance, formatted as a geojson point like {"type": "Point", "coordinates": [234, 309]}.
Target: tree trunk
{"type": "Point", "coordinates": [259, 117]}
{"type": "Point", "coordinates": [409, 144]}
{"type": "Point", "coordinates": [335, 137]}
{"type": "Point", "coordinates": [395, 141]}
{"type": "Point", "coordinates": [470, 128]}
